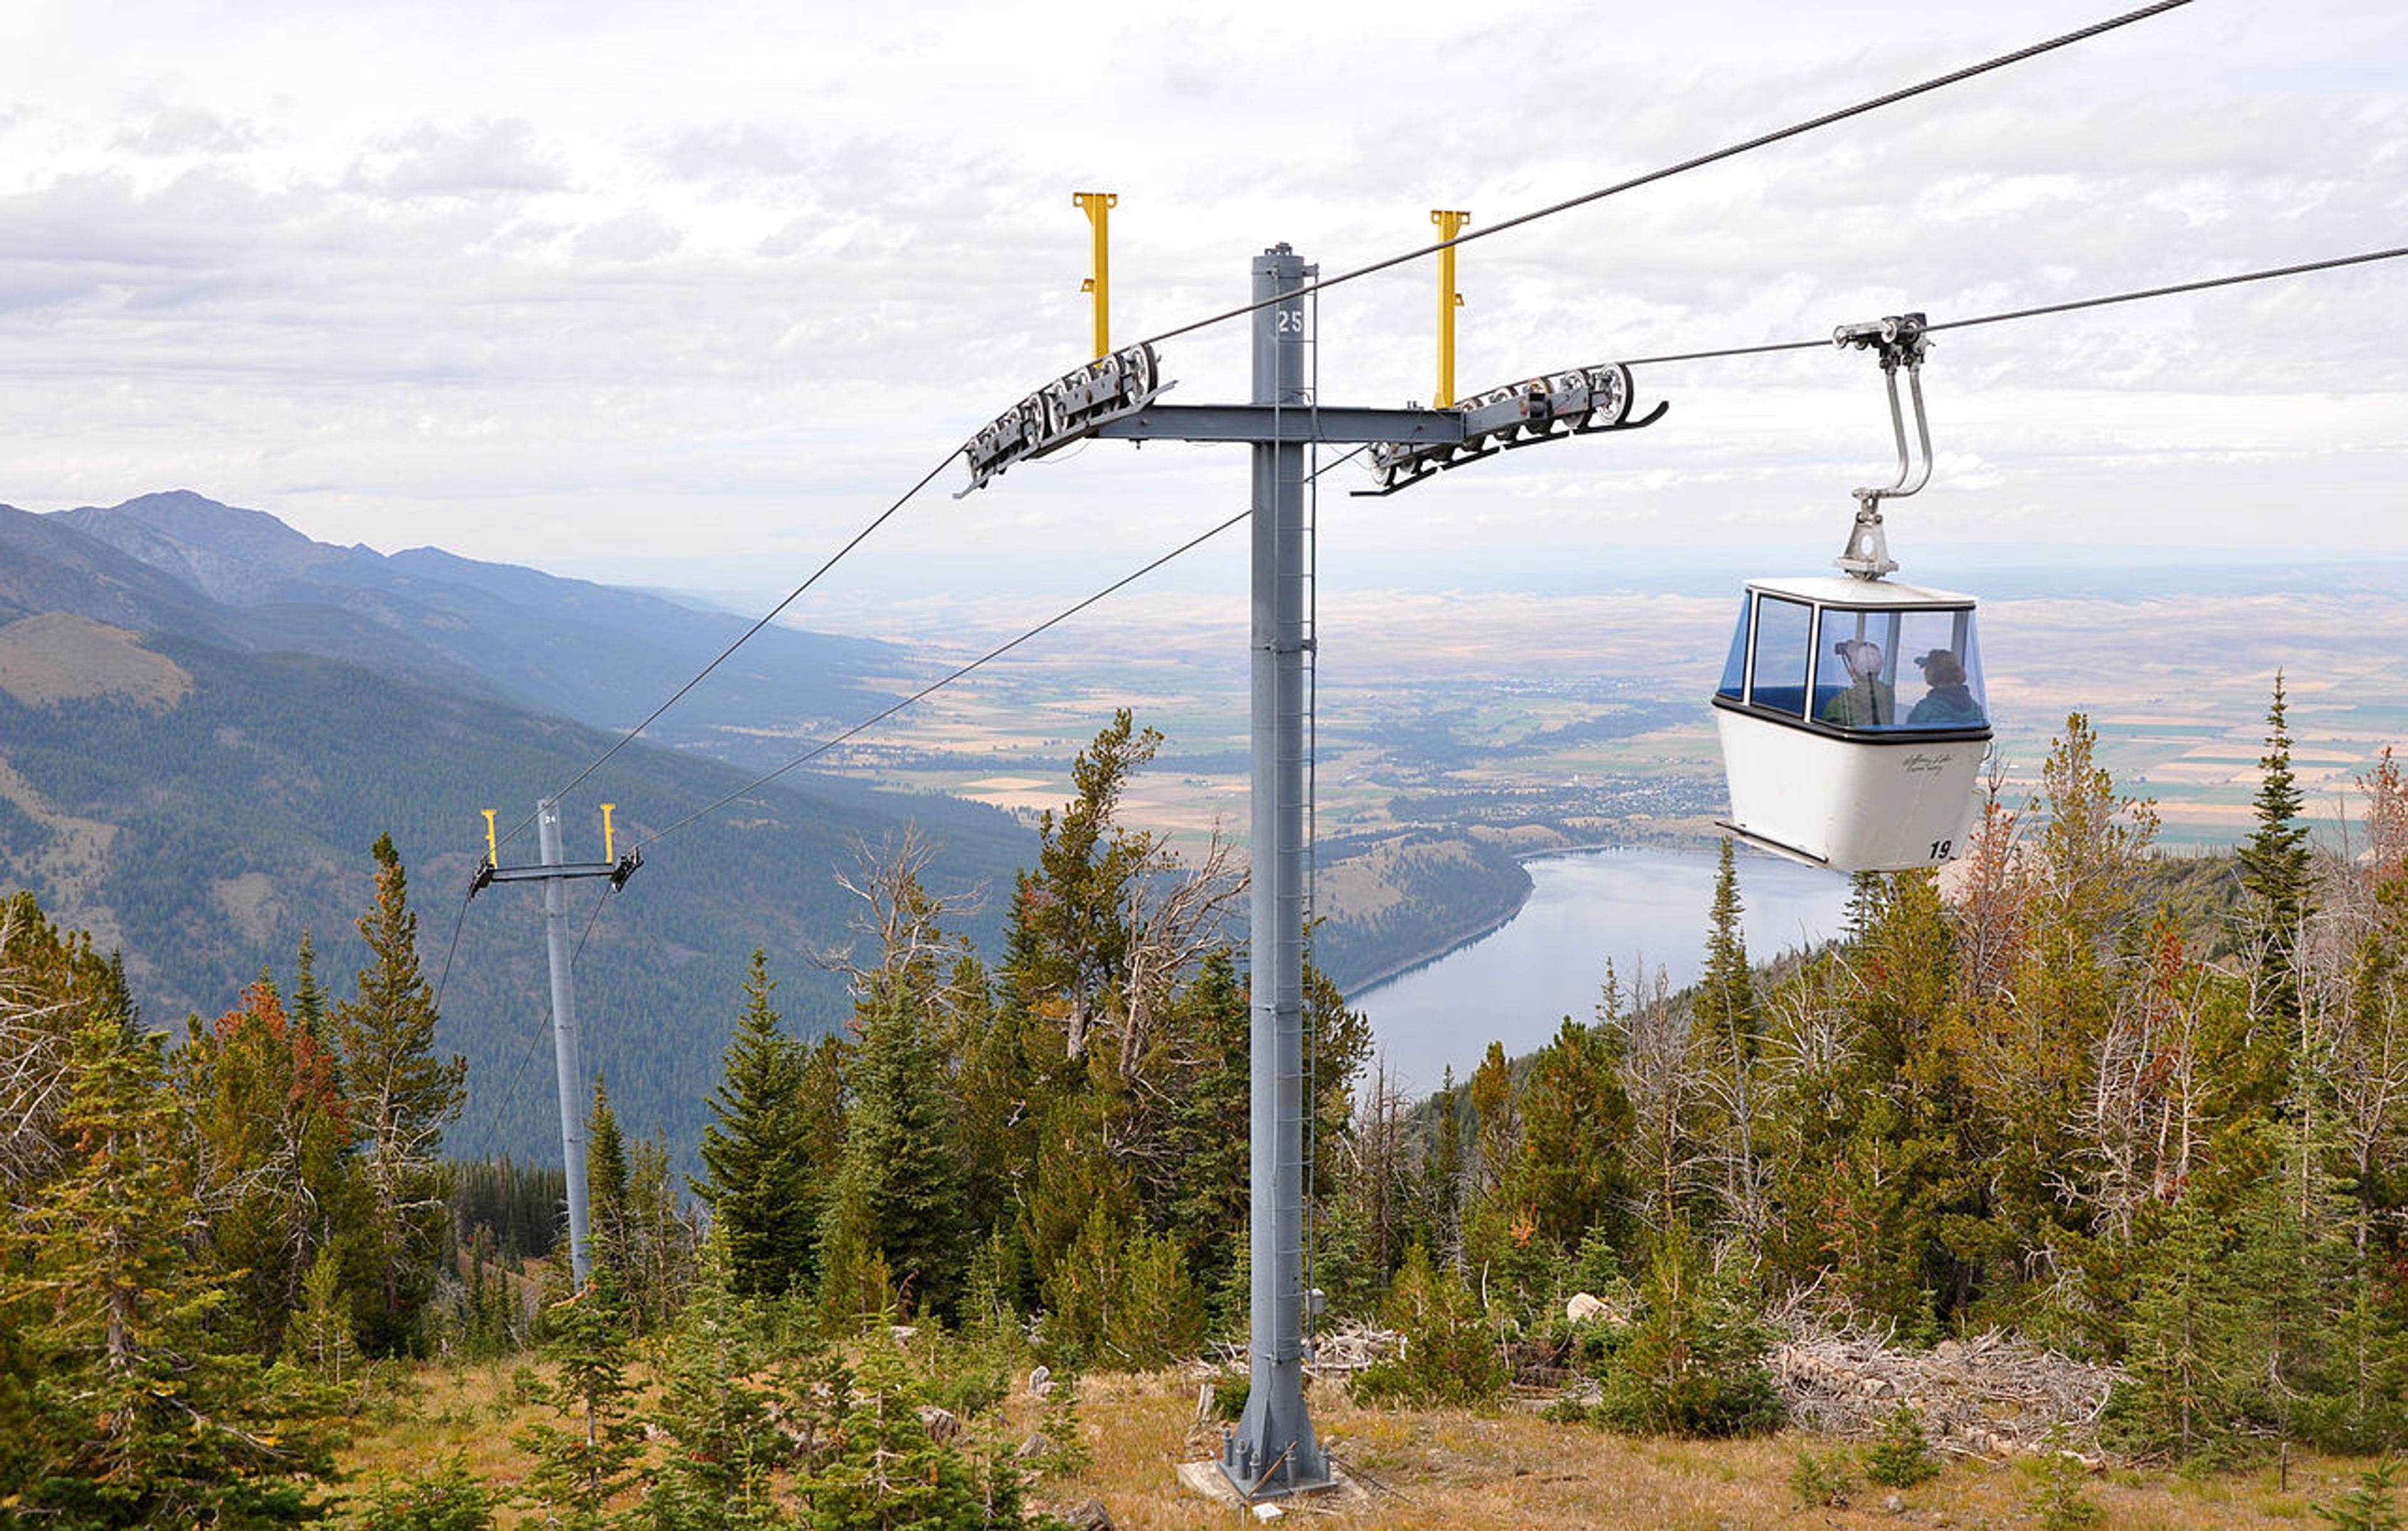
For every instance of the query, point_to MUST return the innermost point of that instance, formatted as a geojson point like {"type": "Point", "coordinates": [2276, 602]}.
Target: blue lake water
{"type": "Point", "coordinates": [1644, 910]}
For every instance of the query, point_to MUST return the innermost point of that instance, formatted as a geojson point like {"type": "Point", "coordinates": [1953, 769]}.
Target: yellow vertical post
{"type": "Point", "coordinates": [1449, 300]}
{"type": "Point", "coordinates": [492, 851]}
{"type": "Point", "coordinates": [1100, 206]}
{"type": "Point", "coordinates": [609, 846]}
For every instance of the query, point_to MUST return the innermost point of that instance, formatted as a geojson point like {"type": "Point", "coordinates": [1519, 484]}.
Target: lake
{"type": "Point", "coordinates": [1643, 909]}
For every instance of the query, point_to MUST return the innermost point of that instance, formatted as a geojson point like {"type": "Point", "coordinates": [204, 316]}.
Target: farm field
{"type": "Point", "coordinates": [1592, 708]}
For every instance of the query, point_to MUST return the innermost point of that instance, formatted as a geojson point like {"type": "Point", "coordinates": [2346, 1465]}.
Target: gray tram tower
{"type": "Point", "coordinates": [1273, 1449]}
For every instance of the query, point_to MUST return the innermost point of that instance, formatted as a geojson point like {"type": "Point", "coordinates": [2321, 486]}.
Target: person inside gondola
{"type": "Point", "coordinates": [1950, 702]}
{"type": "Point", "coordinates": [1868, 702]}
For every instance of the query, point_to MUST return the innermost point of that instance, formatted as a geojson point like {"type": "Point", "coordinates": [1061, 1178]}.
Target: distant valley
{"type": "Point", "coordinates": [206, 717]}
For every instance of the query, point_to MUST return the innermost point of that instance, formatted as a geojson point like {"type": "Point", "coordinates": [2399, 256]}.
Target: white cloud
{"type": "Point", "coordinates": [482, 276]}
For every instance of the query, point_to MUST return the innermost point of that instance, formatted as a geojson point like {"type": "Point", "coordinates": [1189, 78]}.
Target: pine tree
{"type": "Point", "coordinates": [2276, 872]}
{"type": "Point", "coordinates": [2194, 1381]}
{"type": "Point", "coordinates": [1448, 1357]}
{"type": "Point", "coordinates": [444, 1496]}
{"type": "Point", "coordinates": [661, 1242]}
{"type": "Point", "coordinates": [758, 1180]}
{"type": "Point", "coordinates": [1496, 1126]}
{"type": "Point", "coordinates": [139, 1411]}
{"type": "Point", "coordinates": [606, 1188]}
{"type": "Point", "coordinates": [890, 1473]}
{"type": "Point", "coordinates": [268, 1138]}
{"type": "Point", "coordinates": [900, 1171]}
{"type": "Point", "coordinates": [1209, 1149]}
{"type": "Point", "coordinates": [1576, 1123]}
{"type": "Point", "coordinates": [1443, 1170]}
{"type": "Point", "coordinates": [585, 1462]}
{"type": "Point", "coordinates": [401, 1095]}
{"type": "Point", "coordinates": [722, 1443]}
{"type": "Point", "coordinates": [308, 995]}
{"type": "Point", "coordinates": [320, 1338]}
{"type": "Point", "coordinates": [1727, 993]}
{"type": "Point", "coordinates": [1693, 1362]}
{"type": "Point", "coordinates": [1076, 905]}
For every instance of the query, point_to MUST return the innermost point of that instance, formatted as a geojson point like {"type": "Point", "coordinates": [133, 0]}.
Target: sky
{"type": "Point", "coordinates": [686, 296]}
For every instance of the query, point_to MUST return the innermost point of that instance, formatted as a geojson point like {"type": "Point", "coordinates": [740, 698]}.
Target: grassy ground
{"type": "Point", "coordinates": [1496, 1471]}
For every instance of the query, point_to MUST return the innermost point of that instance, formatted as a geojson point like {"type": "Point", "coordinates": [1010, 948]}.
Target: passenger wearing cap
{"type": "Point", "coordinates": [1868, 701]}
{"type": "Point", "coordinates": [1950, 702]}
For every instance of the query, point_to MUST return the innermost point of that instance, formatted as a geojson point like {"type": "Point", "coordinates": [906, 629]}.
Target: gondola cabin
{"type": "Point", "coordinates": [1853, 722]}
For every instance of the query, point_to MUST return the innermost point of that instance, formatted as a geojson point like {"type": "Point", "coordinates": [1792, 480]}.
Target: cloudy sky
{"type": "Point", "coordinates": [681, 290]}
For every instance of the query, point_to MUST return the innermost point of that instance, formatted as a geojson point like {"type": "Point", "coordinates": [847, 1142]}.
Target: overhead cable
{"type": "Point", "coordinates": [1760, 141]}
{"type": "Point", "coordinates": [1729, 151]}
{"type": "Point", "coordinates": [771, 615]}
{"type": "Point", "coordinates": [2237, 279]}
{"type": "Point", "coordinates": [996, 653]}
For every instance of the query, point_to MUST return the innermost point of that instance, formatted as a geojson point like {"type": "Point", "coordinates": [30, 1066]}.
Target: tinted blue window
{"type": "Point", "coordinates": [1781, 630]}
{"type": "Point", "coordinates": [1735, 667]}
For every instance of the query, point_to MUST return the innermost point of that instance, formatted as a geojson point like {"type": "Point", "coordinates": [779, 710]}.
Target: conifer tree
{"type": "Point", "coordinates": [1450, 1355]}
{"type": "Point", "coordinates": [1443, 1170]}
{"type": "Point", "coordinates": [1075, 907]}
{"type": "Point", "coordinates": [661, 1242]}
{"type": "Point", "coordinates": [401, 1095]}
{"type": "Point", "coordinates": [1207, 1199]}
{"type": "Point", "coordinates": [758, 1180]}
{"type": "Point", "coordinates": [606, 1187]}
{"type": "Point", "coordinates": [900, 1173]}
{"type": "Point", "coordinates": [2028, 1049]}
{"type": "Point", "coordinates": [320, 1338]}
{"type": "Point", "coordinates": [1576, 1125]}
{"type": "Point", "coordinates": [1726, 996]}
{"type": "Point", "coordinates": [2195, 1382]}
{"type": "Point", "coordinates": [268, 1142]}
{"type": "Point", "coordinates": [890, 1473]}
{"type": "Point", "coordinates": [722, 1441]}
{"type": "Point", "coordinates": [1693, 1362]}
{"type": "Point", "coordinates": [586, 1459]}
{"type": "Point", "coordinates": [1496, 1126]}
{"type": "Point", "coordinates": [2276, 873]}
{"type": "Point", "coordinates": [309, 994]}
{"type": "Point", "coordinates": [139, 1412]}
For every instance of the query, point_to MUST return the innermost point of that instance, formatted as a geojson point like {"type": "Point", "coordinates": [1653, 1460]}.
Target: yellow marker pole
{"type": "Point", "coordinates": [492, 851]}
{"type": "Point", "coordinates": [609, 845]}
{"type": "Point", "coordinates": [1449, 300]}
{"type": "Point", "coordinates": [1100, 206]}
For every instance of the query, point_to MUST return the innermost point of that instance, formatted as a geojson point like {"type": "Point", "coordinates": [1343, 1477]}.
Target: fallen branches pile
{"type": "Point", "coordinates": [1988, 1396]}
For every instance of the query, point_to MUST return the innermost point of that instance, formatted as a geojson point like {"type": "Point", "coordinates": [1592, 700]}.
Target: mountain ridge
{"type": "Point", "coordinates": [191, 782]}
{"type": "Point", "coordinates": [598, 653]}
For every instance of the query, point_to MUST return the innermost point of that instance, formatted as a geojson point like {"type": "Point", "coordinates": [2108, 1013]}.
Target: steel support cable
{"type": "Point", "coordinates": [1698, 162]}
{"type": "Point", "coordinates": [771, 615]}
{"type": "Point", "coordinates": [995, 654]}
{"type": "Point", "coordinates": [2204, 284]}
{"type": "Point", "coordinates": [1566, 205]}
{"type": "Point", "coordinates": [459, 920]}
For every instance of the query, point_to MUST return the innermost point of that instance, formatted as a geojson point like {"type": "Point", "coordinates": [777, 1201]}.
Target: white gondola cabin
{"type": "Point", "coordinates": [1853, 722]}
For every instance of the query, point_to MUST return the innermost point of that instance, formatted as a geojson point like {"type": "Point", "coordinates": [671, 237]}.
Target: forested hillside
{"type": "Point", "coordinates": [206, 719]}
{"type": "Point", "coordinates": [2034, 1104]}
{"type": "Point", "coordinates": [201, 837]}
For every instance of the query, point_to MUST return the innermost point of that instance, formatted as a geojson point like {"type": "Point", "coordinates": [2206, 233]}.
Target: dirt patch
{"type": "Point", "coordinates": [61, 657]}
